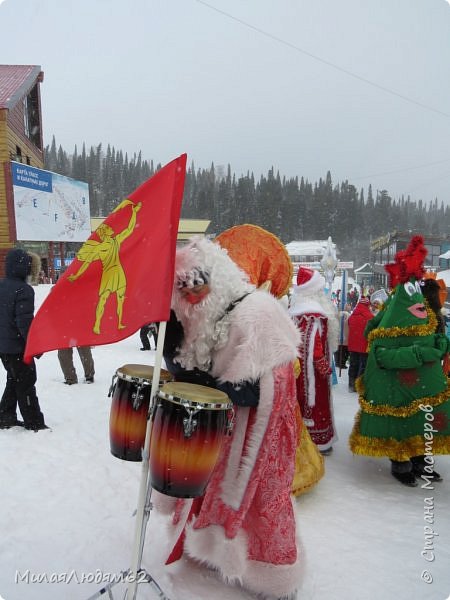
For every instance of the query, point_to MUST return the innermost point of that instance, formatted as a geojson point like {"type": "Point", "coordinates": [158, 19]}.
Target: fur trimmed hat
{"type": "Point", "coordinates": [379, 296]}
{"type": "Point", "coordinates": [304, 275]}
{"type": "Point", "coordinates": [309, 281]}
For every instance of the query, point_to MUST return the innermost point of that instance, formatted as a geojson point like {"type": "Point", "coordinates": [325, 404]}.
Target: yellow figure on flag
{"type": "Point", "coordinates": [113, 279]}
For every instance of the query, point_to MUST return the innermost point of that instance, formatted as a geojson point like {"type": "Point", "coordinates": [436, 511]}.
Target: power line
{"type": "Point", "coordinates": [445, 176]}
{"type": "Point", "coordinates": [439, 162]}
{"type": "Point", "coordinates": [323, 61]}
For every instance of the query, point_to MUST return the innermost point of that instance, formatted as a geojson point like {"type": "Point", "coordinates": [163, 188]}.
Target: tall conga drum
{"type": "Point", "coordinates": [189, 426]}
{"type": "Point", "coordinates": [130, 390]}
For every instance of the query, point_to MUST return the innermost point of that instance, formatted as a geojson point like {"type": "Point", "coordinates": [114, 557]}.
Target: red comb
{"type": "Point", "coordinates": [408, 263]}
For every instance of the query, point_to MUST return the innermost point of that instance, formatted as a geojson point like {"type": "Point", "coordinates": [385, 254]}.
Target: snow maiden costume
{"type": "Point", "coordinates": [316, 318]}
{"type": "Point", "coordinates": [404, 394]}
{"type": "Point", "coordinates": [241, 340]}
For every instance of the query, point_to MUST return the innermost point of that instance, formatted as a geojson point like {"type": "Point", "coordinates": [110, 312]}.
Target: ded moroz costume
{"type": "Point", "coordinates": [240, 340]}
{"type": "Point", "coordinates": [316, 318]}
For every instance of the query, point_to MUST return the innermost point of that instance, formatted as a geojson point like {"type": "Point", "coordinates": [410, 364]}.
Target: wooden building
{"type": "Point", "coordinates": [310, 253]}
{"type": "Point", "coordinates": [21, 138]}
{"type": "Point", "coordinates": [384, 249]}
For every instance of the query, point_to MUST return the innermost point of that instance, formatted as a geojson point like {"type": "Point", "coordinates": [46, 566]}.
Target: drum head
{"type": "Point", "coordinates": [185, 393]}
{"type": "Point", "coordinates": [141, 372]}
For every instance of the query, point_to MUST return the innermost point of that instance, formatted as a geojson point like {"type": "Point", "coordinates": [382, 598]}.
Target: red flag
{"type": "Point", "coordinates": [123, 274]}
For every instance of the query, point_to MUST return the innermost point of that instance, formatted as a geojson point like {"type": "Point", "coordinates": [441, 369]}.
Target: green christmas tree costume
{"type": "Point", "coordinates": [404, 395]}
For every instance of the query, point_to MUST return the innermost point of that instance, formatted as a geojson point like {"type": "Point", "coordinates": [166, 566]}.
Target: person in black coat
{"type": "Point", "coordinates": [16, 315]}
{"type": "Point", "coordinates": [146, 330]}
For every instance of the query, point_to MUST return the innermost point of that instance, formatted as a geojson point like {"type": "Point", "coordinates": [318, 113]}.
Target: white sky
{"type": "Point", "coordinates": [288, 88]}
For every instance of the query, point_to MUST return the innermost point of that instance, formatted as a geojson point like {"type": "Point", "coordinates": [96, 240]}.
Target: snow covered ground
{"type": "Point", "coordinates": [66, 506]}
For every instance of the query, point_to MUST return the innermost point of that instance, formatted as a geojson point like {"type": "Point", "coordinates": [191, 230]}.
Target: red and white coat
{"type": "Point", "coordinates": [317, 320]}
{"type": "Point", "coordinates": [246, 525]}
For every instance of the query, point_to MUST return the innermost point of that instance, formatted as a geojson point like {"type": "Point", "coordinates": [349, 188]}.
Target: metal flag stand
{"type": "Point", "coordinates": [135, 574]}
{"type": "Point", "coordinates": [143, 577]}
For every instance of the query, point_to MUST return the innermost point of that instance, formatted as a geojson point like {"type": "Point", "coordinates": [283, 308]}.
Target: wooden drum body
{"type": "Point", "coordinates": [131, 389]}
{"type": "Point", "coordinates": [189, 426]}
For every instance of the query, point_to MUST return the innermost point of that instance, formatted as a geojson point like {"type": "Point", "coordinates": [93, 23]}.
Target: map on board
{"type": "Point", "coordinates": [48, 206]}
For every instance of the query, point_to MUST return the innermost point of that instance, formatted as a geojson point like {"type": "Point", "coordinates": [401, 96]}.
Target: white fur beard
{"type": "Point", "coordinates": [203, 331]}
{"type": "Point", "coordinates": [204, 328]}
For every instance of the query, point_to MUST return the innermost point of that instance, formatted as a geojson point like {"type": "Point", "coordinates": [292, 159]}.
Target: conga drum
{"type": "Point", "coordinates": [189, 425]}
{"type": "Point", "coordinates": [130, 389]}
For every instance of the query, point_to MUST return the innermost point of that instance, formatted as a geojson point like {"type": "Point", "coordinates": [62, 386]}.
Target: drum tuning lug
{"type": "Point", "coordinates": [137, 397]}
{"type": "Point", "coordinates": [189, 425]}
{"type": "Point", "coordinates": [112, 386]}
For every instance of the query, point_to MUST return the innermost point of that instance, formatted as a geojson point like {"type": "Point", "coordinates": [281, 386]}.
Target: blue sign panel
{"type": "Point", "coordinates": [67, 262]}
{"type": "Point", "coordinates": [30, 177]}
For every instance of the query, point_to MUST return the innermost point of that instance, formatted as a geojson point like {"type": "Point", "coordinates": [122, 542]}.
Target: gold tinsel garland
{"type": "Point", "coordinates": [384, 410]}
{"type": "Point", "coordinates": [394, 449]}
{"type": "Point", "coordinates": [412, 330]}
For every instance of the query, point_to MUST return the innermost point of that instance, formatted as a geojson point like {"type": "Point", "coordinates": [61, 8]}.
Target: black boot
{"type": "Point", "coordinates": [420, 469]}
{"type": "Point", "coordinates": [36, 428]}
{"type": "Point", "coordinates": [403, 472]}
{"type": "Point", "coordinates": [407, 478]}
{"type": "Point", "coordinates": [351, 385]}
{"type": "Point", "coordinates": [7, 423]}
{"type": "Point", "coordinates": [326, 452]}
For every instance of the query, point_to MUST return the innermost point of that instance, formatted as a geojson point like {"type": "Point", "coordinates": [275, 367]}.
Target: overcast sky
{"type": "Point", "coordinates": [356, 87]}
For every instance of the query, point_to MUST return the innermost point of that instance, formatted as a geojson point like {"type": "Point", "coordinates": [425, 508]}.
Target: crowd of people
{"type": "Point", "coordinates": [221, 528]}
{"type": "Point", "coordinates": [275, 362]}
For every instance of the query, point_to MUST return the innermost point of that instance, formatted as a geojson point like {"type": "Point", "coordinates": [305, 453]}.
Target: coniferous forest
{"type": "Point", "coordinates": [292, 209]}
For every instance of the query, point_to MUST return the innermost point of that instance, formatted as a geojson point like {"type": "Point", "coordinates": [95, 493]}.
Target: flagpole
{"type": "Point", "coordinates": [143, 506]}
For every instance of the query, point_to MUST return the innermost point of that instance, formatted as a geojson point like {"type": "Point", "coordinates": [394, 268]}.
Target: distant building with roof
{"type": "Point", "coordinates": [384, 249]}
{"type": "Point", "coordinates": [364, 275]}
{"type": "Point", "coordinates": [21, 138]}
{"type": "Point", "coordinates": [309, 254]}
{"type": "Point", "coordinates": [186, 228]}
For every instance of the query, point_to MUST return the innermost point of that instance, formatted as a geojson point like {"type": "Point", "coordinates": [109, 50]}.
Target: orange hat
{"type": "Point", "coordinates": [260, 254]}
